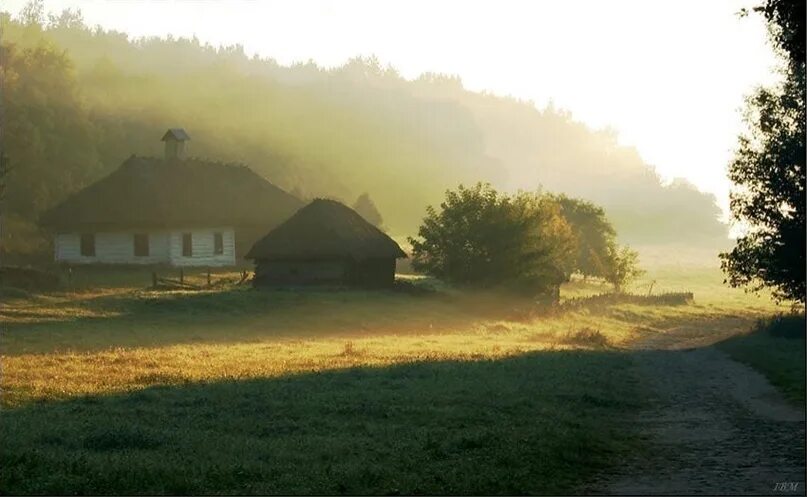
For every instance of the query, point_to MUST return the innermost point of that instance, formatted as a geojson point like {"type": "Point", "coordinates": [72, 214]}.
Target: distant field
{"type": "Point", "coordinates": [116, 388]}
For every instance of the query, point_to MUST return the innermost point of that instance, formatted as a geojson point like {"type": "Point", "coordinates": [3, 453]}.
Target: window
{"type": "Point", "coordinates": [187, 245]}
{"type": "Point", "coordinates": [141, 245]}
{"type": "Point", "coordinates": [88, 245]}
{"type": "Point", "coordinates": [218, 243]}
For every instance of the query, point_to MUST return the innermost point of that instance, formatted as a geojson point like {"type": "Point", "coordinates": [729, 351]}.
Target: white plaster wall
{"type": "Point", "coordinates": [112, 248]}
{"type": "Point", "coordinates": [203, 245]}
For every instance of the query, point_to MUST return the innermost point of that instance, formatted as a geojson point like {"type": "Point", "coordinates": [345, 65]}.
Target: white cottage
{"type": "Point", "coordinates": [176, 211]}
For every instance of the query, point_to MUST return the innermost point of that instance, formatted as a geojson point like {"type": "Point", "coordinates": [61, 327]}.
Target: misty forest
{"type": "Point", "coordinates": [222, 274]}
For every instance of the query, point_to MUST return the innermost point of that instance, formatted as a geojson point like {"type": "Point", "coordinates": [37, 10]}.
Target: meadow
{"type": "Point", "coordinates": [118, 388]}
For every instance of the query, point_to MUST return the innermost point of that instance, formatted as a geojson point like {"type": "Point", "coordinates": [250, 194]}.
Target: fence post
{"type": "Point", "coordinates": [208, 276]}
{"type": "Point", "coordinates": [181, 276]}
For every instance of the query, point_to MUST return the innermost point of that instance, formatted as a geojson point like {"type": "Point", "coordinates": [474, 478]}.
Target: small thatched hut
{"type": "Point", "coordinates": [325, 242]}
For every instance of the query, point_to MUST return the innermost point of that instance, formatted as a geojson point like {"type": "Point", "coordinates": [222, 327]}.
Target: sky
{"type": "Point", "coordinates": [669, 76]}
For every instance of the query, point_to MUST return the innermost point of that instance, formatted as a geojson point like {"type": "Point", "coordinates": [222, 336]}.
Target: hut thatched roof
{"type": "Point", "coordinates": [325, 229]}
{"type": "Point", "coordinates": [178, 134]}
{"type": "Point", "coordinates": [147, 192]}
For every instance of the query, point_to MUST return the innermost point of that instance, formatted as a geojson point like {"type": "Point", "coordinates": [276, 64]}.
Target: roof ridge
{"type": "Point", "coordinates": [326, 228]}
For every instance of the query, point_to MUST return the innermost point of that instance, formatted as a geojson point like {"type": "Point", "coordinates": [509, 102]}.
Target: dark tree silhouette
{"type": "Point", "coordinates": [4, 170]}
{"type": "Point", "coordinates": [366, 208]}
{"type": "Point", "coordinates": [769, 171]}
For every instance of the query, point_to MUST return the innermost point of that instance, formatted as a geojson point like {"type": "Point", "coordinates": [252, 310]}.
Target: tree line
{"type": "Point", "coordinates": [526, 242]}
{"type": "Point", "coordinates": [80, 99]}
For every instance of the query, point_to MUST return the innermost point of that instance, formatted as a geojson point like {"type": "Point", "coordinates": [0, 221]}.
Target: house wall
{"type": "Point", "coordinates": [165, 247]}
{"type": "Point", "coordinates": [373, 273]}
{"type": "Point", "coordinates": [299, 272]}
{"type": "Point", "coordinates": [111, 248]}
{"type": "Point", "coordinates": [203, 244]}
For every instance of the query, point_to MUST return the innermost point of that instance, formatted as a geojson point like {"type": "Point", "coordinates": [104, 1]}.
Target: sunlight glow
{"type": "Point", "coordinates": [670, 77]}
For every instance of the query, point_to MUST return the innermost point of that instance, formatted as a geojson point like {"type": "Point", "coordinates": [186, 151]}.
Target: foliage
{"type": "Point", "coordinates": [4, 171]}
{"type": "Point", "coordinates": [594, 235]}
{"type": "Point", "coordinates": [80, 100]}
{"type": "Point", "coordinates": [769, 171]}
{"type": "Point", "coordinates": [622, 267]}
{"type": "Point", "coordinates": [482, 238]}
{"type": "Point", "coordinates": [49, 140]}
{"type": "Point", "coordinates": [365, 206]}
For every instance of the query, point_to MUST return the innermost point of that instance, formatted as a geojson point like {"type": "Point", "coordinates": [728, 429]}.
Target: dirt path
{"type": "Point", "coordinates": [714, 426]}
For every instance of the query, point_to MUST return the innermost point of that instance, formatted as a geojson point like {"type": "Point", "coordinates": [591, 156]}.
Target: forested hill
{"type": "Point", "coordinates": [79, 100]}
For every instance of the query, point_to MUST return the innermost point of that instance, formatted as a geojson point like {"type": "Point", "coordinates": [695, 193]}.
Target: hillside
{"type": "Point", "coordinates": [80, 100]}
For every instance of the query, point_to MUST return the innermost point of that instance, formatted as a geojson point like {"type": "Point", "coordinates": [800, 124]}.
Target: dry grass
{"type": "Point", "coordinates": [120, 339]}
{"type": "Point", "coordinates": [120, 357]}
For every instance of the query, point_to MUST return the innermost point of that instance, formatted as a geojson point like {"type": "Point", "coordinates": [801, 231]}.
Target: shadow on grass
{"type": "Point", "coordinates": [535, 423]}
{"type": "Point", "coordinates": [148, 318]}
{"type": "Point", "coordinates": [775, 348]}
{"type": "Point", "coordinates": [86, 323]}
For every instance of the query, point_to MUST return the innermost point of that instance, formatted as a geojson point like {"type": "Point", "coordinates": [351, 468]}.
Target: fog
{"type": "Point", "coordinates": [80, 100]}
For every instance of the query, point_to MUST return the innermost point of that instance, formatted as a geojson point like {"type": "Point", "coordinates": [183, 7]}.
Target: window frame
{"type": "Point", "coordinates": [86, 244]}
{"type": "Point", "coordinates": [141, 240]}
{"type": "Point", "coordinates": [218, 243]}
{"type": "Point", "coordinates": [187, 244]}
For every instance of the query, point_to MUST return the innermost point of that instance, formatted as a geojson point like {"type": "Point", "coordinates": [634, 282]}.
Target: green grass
{"type": "Point", "coordinates": [114, 388]}
{"type": "Point", "coordinates": [775, 349]}
{"type": "Point", "coordinates": [536, 423]}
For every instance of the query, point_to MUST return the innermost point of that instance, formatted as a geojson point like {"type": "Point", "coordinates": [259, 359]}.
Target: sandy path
{"type": "Point", "coordinates": [714, 426]}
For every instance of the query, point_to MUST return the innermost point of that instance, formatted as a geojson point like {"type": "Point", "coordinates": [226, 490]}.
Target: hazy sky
{"type": "Point", "coordinates": [670, 76]}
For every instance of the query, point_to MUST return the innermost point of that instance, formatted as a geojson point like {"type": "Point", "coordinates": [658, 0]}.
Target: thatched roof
{"type": "Point", "coordinates": [147, 192]}
{"type": "Point", "coordinates": [178, 134]}
{"type": "Point", "coordinates": [325, 229]}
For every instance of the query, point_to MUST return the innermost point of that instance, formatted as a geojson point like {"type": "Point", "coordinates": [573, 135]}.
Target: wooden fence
{"type": "Point", "coordinates": [162, 283]}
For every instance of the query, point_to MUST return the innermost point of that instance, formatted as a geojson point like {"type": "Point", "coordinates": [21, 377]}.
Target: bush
{"type": "Point", "coordinates": [784, 326]}
{"type": "Point", "coordinates": [622, 267]}
{"type": "Point", "coordinates": [480, 238]}
{"type": "Point", "coordinates": [28, 279]}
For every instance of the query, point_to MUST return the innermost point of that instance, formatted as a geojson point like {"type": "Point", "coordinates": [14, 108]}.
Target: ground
{"type": "Point", "coordinates": [713, 425]}
{"type": "Point", "coordinates": [113, 388]}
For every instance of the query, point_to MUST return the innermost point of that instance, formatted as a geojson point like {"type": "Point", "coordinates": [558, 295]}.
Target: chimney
{"type": "Point", "coordinates": [175, 139]}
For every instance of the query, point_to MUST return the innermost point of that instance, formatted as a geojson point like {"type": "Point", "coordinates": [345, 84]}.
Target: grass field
{"type": "Point", "coordinates": [119, 389]}
{"type": "Point", "coordinates": [776, 349]}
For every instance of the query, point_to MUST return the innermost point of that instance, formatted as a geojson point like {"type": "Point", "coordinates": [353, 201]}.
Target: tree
{"type": "Point", "coordinates": [33, 13]}
{"type": "Point", "coordinates": [480, 238]}
{"type": "Point", "coordinates": [593, 233]}
{"type": "Point", "coordinates": [622, 267]}
{"type": "Point", "coordinates": [4, 170]}
{"type": "Point", "coordinates": [768, 170]}
{"type": "Point", "coordinates": [367, 209]}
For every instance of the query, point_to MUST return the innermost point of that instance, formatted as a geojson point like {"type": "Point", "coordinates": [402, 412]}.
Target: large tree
{"type": "Point", "coordinates": [481, 238]}
{"type": "Point", "coordinates": [366, 208]}
{"type": "Point", "coordinates": [594, 235]}
{"type": "Point", "coordinates": [769, 170]}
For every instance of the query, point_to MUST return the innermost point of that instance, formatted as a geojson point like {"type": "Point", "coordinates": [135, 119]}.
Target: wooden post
{"type": "Point", "coordinates": [181, 276]}
{"type": "Point", "coordinates": [153, 279]}
{"type": "Point", "coordinates": [208, 276]}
